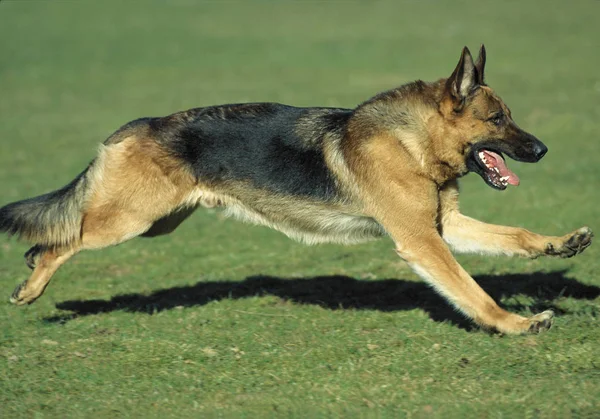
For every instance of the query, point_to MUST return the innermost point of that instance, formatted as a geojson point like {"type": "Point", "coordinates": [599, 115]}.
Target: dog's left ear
{"type": "Point", "coordinates": [464, 78]}
{"type": "Point", "coordinates": [480, 65]}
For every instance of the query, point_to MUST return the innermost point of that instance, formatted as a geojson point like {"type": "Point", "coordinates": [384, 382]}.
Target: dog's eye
{"type": "Point", "coordinates": [497, 119]}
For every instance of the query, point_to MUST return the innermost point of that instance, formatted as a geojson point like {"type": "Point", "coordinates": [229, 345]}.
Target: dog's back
{"type": "Point", "coordinates": [266, 163]}
{"type": "Point", "coordinates": [265, 146]}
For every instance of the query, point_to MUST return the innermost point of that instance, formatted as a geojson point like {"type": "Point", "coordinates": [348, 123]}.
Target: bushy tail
{"type": "Point", "coordinates": [51, 219]}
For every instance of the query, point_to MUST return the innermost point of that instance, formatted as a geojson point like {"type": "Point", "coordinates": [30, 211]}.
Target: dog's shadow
{"type": "Point", "coordinates": [342, 292]}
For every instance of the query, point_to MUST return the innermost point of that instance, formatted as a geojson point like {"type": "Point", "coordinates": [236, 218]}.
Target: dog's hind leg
{"type": "Point", "coordinates": [101, 228]}
{"type": "Point", "coordinates": [134, 185]}
{"type": "Point", "coordinates": [97, 232]}
{"type": "Point", "coordinates": [140, 190]}
{"type": "Point", "coordinates": [48, 260]}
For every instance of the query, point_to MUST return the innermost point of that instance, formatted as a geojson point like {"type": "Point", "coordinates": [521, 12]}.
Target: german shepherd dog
{"type": "Point", "coordinates": [388, 167]}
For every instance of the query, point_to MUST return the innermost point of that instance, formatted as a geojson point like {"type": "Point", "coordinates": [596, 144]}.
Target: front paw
{"type": "Point", "coordinates": [540, 322]}
{"type": "Point", "coordinates": [517, 325]}
{"type": "Point", "coordinates": [572, 244]}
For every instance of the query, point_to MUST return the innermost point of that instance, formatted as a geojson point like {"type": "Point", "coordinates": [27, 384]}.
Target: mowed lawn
{"type": "Point", "coordinates": [226, 319]}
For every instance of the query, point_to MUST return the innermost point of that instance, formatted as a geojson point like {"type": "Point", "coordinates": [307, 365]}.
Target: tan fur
{"type": "Point", "coordinates": [135, 184]}
{"type": "Point", "coordinates": [408, 178]}
{"type": "Point", "coordinates": [132, 185]}
{"type": "Point", "coordinates": [466, 235]}
{"type": "Point", "coordinates": [48, 263]}
{"type": "Point", "coordinates": [305, 220]}
{"type": "Point", "coordinates": [407, 206]}
{"type": "Point", "coordinates": [394, 167]}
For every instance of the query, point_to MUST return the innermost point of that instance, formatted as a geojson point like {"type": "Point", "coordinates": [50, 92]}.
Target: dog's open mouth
{"type": "Point", "coordinates": [495, 171]}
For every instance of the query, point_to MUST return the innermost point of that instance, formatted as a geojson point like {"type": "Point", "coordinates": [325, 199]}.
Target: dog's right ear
{"type": "Point", "coordinates": [464, 78]}
{"type": "Point", "coordinates": [480, 66]}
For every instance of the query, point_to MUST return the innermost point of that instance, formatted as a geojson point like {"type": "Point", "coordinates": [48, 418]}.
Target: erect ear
{"type": "Point", "coordinates": [480, 65]}
{"type": "Point", "coordinates": [464, 78]}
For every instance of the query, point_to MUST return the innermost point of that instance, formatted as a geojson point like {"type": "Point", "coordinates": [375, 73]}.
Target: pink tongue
{"type": "Point", "coordinates": [498, 162]}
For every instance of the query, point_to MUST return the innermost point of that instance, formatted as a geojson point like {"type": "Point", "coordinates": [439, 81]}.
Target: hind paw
{"type": "Point", "coordinates": [15, 296]}
{"type": "Point", "coordinates": [33, 255]}
{"type": "Point", "coordinates": [24, 294]}
{"type": "Point", "coordinates": [574, 244]}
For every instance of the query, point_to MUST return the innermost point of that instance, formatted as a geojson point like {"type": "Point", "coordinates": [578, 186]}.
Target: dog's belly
{"type": "Point", "coordinates": [310, 224]}
{"type": "Point", "coordinates": [307, 221]}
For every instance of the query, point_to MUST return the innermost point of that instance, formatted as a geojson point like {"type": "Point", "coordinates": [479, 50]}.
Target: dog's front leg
{"type": "Point", "coordinates": [407, 205]}
{"type": "Point", "coordinates": [409, 212]}
{"type": "Point", "coordinates": [467, 235]}
{"type": "Point", "coordinates": [430, 258]}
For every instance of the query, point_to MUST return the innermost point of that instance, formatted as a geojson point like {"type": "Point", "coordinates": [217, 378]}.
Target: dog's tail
{"type": "Point", "coordinates": [52, 219]}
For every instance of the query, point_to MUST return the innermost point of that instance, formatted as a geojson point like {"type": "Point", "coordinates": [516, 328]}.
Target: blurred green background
{"type": "Point", "coordinates": [226, 319]}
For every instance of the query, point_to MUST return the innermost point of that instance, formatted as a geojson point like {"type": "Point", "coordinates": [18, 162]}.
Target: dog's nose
{"type": "Point", "coordinates": [540, 150]}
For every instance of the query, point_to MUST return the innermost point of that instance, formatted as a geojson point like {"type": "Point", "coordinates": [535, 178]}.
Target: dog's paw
{"type": "Point", "coordinates": [514, 324]}
{"type": "Point", "coordinates": [24, 295]}
{"type": "Point", "coordinates": [32, 256]}
{"type": "Point", "coordinates": [541, 322]}
{"type": "Point", "coordinates": [15, 296]}
{"type": "Point", "coordinates": [574, 244]}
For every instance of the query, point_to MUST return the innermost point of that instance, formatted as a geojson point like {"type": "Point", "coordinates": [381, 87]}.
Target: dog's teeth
{"type": "Point", "coordinates": [481, 155]}
{"type": "Point", "coordinates": [496, 169]}
{"type": "Point", "coordinates": [504, 178]}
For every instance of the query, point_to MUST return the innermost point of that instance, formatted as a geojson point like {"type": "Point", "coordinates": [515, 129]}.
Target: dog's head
{"type": "Point", "coordinates": [484, 124]}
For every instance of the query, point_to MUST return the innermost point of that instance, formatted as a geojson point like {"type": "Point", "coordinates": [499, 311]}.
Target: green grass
{"type": "Point", "coordinates": [226, 319]}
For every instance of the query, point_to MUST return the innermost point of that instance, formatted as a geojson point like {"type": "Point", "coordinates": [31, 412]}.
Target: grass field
{"type": "Point", "coordinates": [226, 319]}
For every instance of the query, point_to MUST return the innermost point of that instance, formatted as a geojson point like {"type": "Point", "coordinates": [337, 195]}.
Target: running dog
{"type": "Point", "coordinates": [388, 167]}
